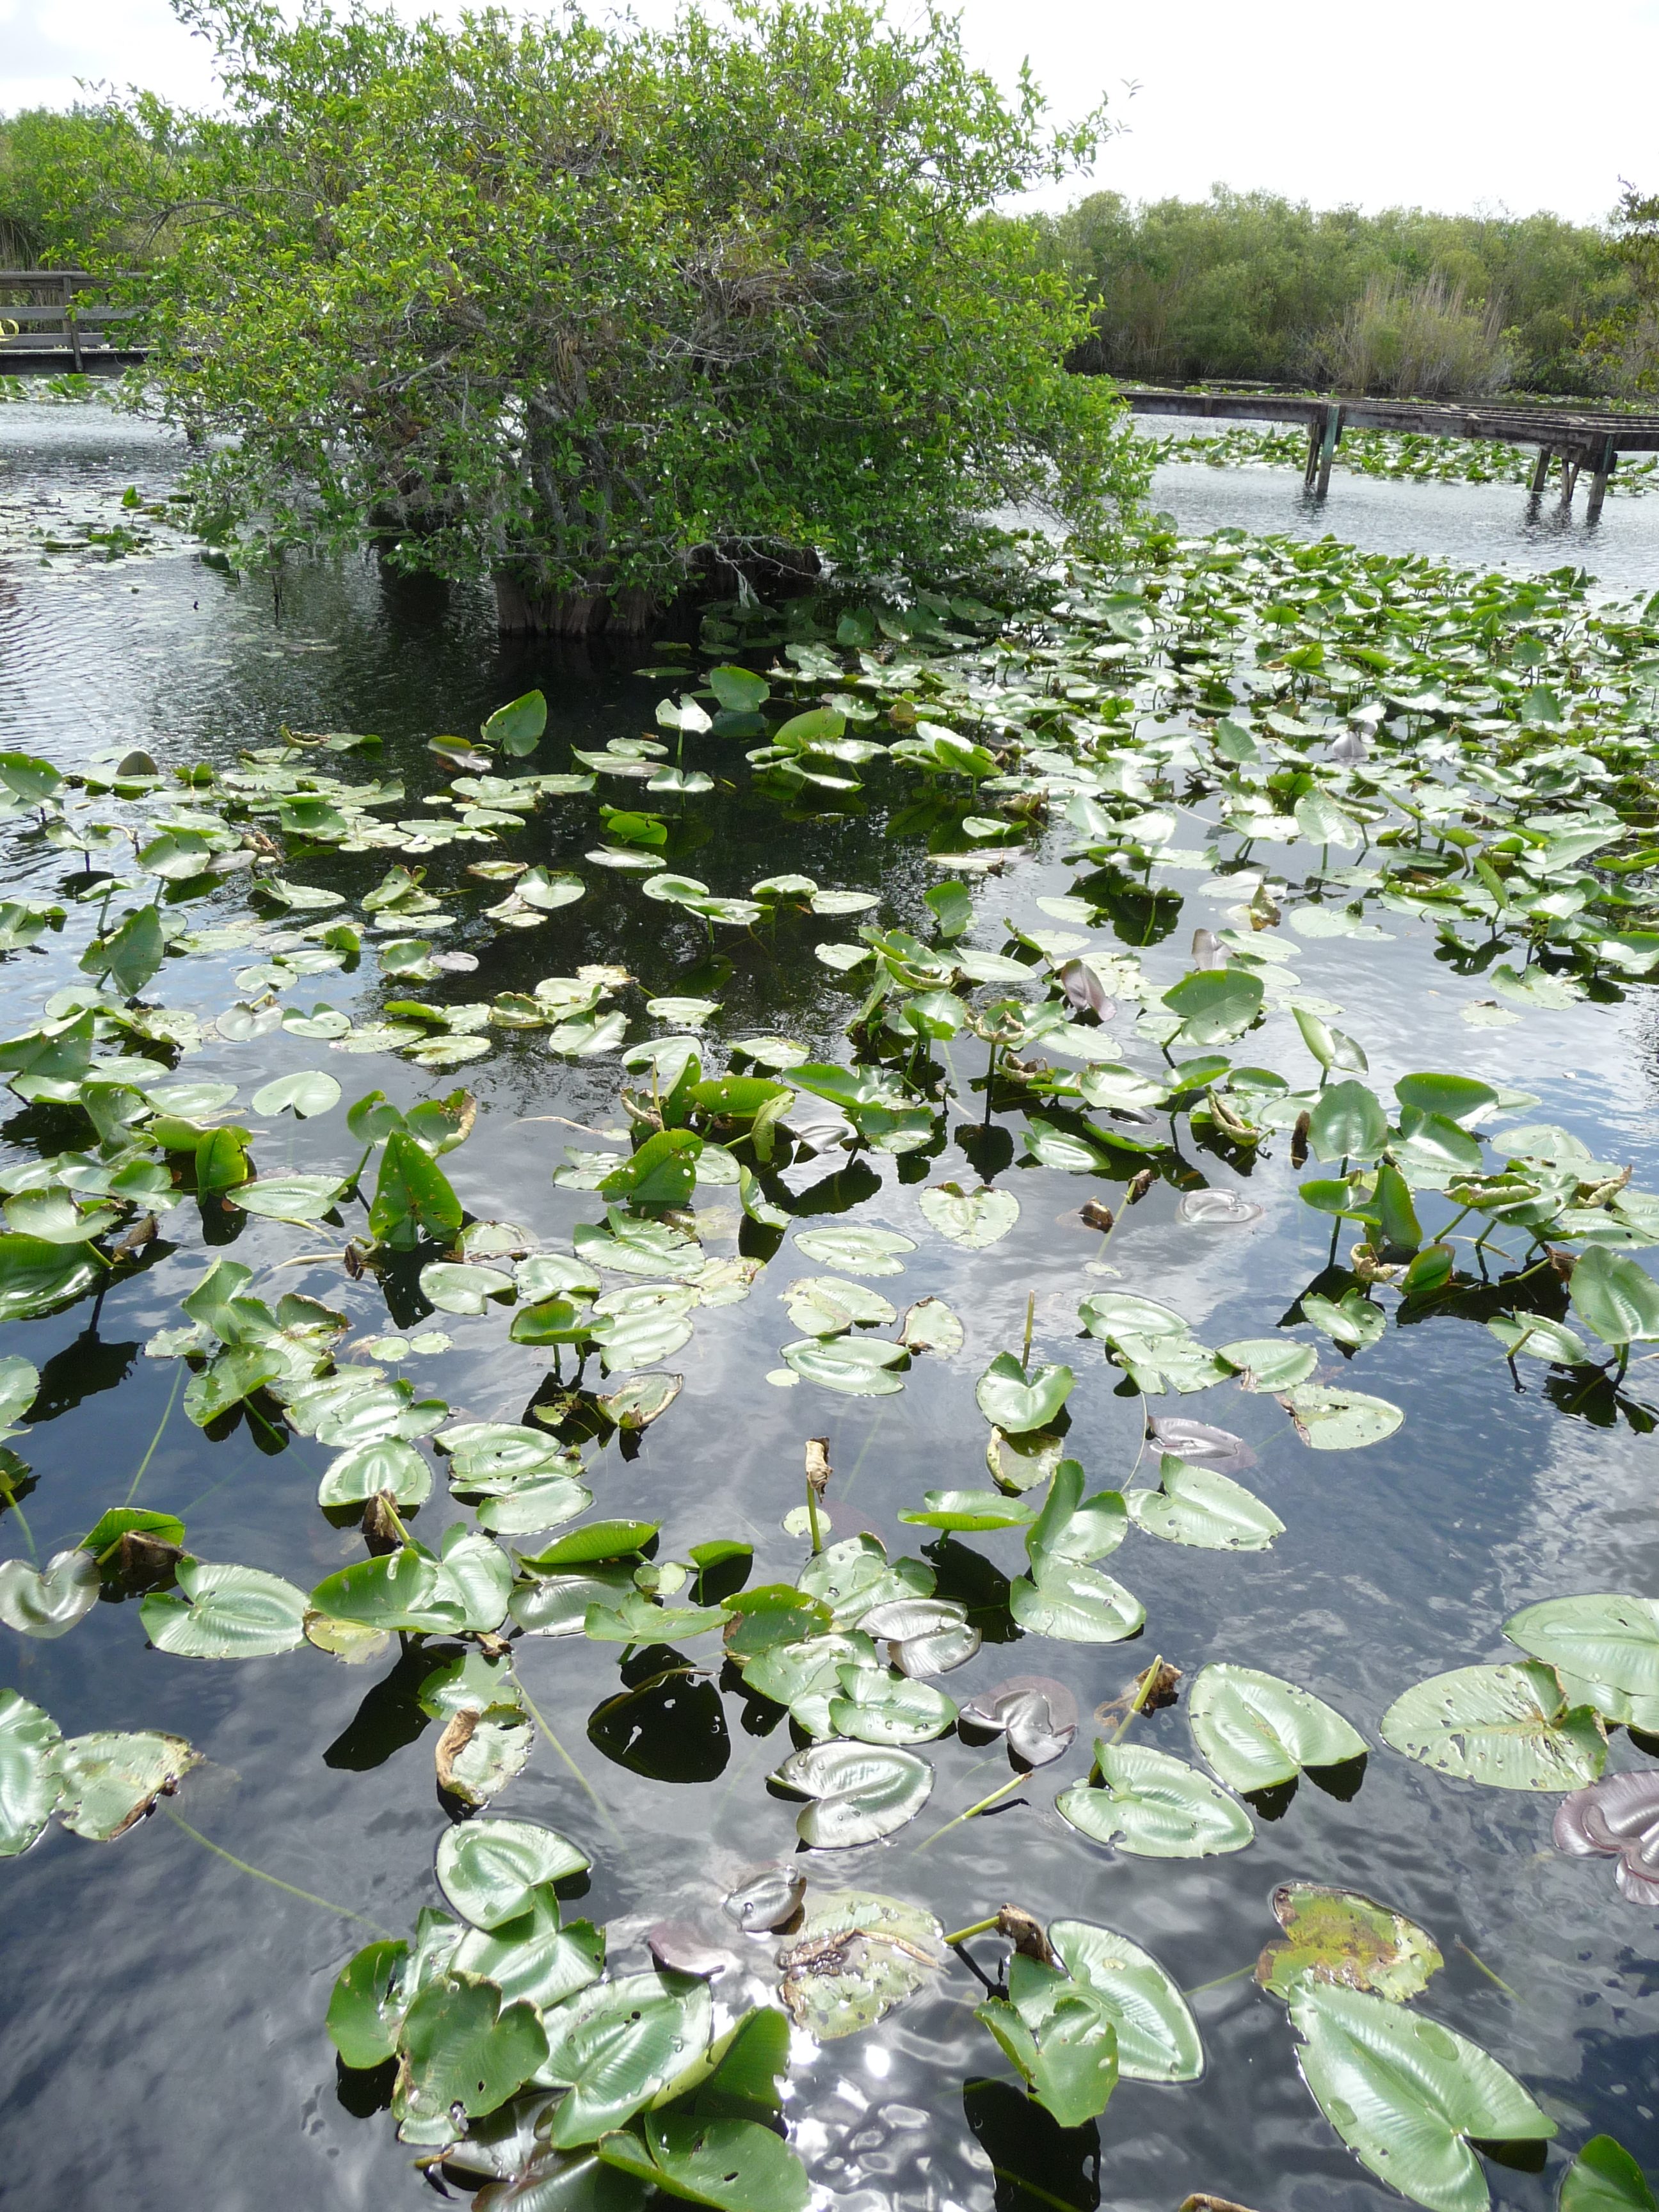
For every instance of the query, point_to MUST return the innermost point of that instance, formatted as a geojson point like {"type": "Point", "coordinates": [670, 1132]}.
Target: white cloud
{"type": "Point", "coordinates": [1446, 104]}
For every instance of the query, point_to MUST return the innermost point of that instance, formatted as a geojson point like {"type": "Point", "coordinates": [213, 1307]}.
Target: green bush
{"type": "Point", "coordinates": [577, 311]}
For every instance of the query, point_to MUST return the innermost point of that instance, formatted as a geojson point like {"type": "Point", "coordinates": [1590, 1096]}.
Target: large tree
{"type": "Point", "coordinates": [574, 307]}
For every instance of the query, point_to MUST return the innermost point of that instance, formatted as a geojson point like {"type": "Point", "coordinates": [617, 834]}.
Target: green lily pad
{"type": "Point", "coordinates": [1508, 1727]}
{"type": "Point", "coordinates": [858, 1792]}
{"type": "Point", "coordinates": [1157, 2038]}
{"type": "Point", "coordinates": [1155, 1807]}
{"type": "Point", "coordinates": [1201, 1506]}
{"type": "Point", "coordinates": [488, 1869]}
{"type": "Point", "coordinates": [1340, 1936]}
{"type": "Point", "coordinates": [108, 1782]}
{"type": "Point", "coordinates": [222, 1611]}
{"type": "Point", "coordinates": [1256, 1730]}
{"type": "Point", "coordinates": [29, 1784]}
{"type": "Point", "coordinates": [972, 1218]}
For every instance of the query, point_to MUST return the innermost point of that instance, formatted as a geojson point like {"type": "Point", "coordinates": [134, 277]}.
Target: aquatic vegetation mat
{"type": "Point", "coordinates": [1315, 750]}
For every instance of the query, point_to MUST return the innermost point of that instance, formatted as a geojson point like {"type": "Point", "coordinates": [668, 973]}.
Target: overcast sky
{"type": "Point", "coordinates": [1458, 104]}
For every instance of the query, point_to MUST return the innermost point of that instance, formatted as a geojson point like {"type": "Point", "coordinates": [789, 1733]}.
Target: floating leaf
{"type": "Point", "coordinates": [48, 1604]}
{"type": "Point", "coordinates": [458, 1287]}
{"type": "Point", "coordinates": [1340, 1935]}
{"type": "Point", "coordinates": [108, 1782]}
{"type": "Point", "coordinates": [1406, 2094]}
{"type": "Point", "coordinates": [735, 2166]}
{"type": "Point", "coordinates": [972, 1218]}
{"type": "Point", "coordinates": [1603, 1638]}
{"type": "Point", "coordinates": [1059, 2035]}
{"type": "Point", "coordinates": [1016, 1401]}
{"type": "Point", "coordinates": [461, 2046]}
{"type": "Point", "coordinates": [857, 1367]}
{"type": "Point", "coordinates": [389, 1465]}
{"type": "Point", "coordinates": [1201, 1506]}
{"type": "Point", "coordinates": [1340, 1420]}
{"type": "Point", "coordinates": [1158, 2039]}
{"type": "Point", "coordinates": [1256, 1730]}
{"type": "Point", "coordinates": [1618, 1816]}
{"type": "Point", "coordinates": [1270, 1363]}
{"type": "Point", "coordinates": [1605, 2177]}
{"type": "Point", "coordinates": [29, 1782]}
{"type": "Point", "coordinates": [767, 1900]}
{"type": "Point", "coordinates": [1074, 1604]}
{"type": "Point", "coordinates": [488, 1869]}
{"type": "Point", "coordinates": [1508, 1727]}
{"type": "Point", "coordinates": [1037, 1714]}
{"type": "Point", "coordinates": [1155, 1807]}
{"type": "Point", "coordinates": [304, 1095]}
{"type": "Point", "coordinates": [1215, 1005]}
{"type": "Point", "coordinates": [930, 1326]}
{"type": "Point", "coordinates": [859, 1791]}
{"type": "Point", "coordinates": [1618, 1299]}
{"type": "Point", "coordinates": [225, 1612]}
{"type": "Point", "coordinates": [855, 1956]}
{"type": "Point", "coordinates": [618, 2047]}
{"type": "Point", "coordinates": [37, 1276]}
{"type": "Point", "coordinates": [825, 1305]}
{"type": "Point", "coordinates": [859, 1251]}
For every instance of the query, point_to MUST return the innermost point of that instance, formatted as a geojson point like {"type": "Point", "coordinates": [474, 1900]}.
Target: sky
{"type": "Point", "coordinates": [1446, 104]}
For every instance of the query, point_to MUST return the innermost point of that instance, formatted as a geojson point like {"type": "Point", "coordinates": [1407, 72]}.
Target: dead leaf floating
{"type": "Point", "coordinates": [768, 1899]}
{"type": "Point", "coordinates": [1617, 1818]}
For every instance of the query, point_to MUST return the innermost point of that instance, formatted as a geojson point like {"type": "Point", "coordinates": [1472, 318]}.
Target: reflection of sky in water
{"type": "Point", "coordinates": [166, 2012]}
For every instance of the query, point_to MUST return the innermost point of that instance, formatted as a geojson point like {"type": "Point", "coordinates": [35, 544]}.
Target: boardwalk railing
{"type": "Point", "coordinates": [1579, 438]}
{"type": "Point", "coordinates": [57, 320]}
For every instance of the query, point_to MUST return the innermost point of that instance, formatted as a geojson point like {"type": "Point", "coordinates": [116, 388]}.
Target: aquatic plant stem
{"type": "Point", "coordinates": [1014, 1782]}
{"type": "Point", "coordinates": [1487, 1971]}
{"type": "Point", "coordinates": [974, 1928]}
{"type": "Point", "coordinates": [599, 1805]}
{"type": "Point", "coordinates": [132, 1490]}
{"type": "Point", "coordinates": [1221, 1980]}
{"type": "Point", "coordinates": [258, 1874]}
{"type": "Point", "coordinates": [1147, 1685]}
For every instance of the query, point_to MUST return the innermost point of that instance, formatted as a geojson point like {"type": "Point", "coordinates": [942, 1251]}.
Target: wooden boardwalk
{"type": "Point", "coordinates": [1579, 438]}
{"type": "Point", "coordinates": [53, 323]}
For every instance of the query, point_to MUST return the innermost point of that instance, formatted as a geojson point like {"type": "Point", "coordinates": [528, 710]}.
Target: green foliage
{"type": "Point", "coordinates": [560, 304]}
{"type": "Point", "coordinates": [1241, 284]}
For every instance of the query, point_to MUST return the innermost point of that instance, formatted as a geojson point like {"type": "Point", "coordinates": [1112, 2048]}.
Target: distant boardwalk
{"type": "Point", "coordinates": [1580, 439]}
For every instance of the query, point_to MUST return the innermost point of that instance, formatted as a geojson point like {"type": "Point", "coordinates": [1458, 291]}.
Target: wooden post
{"type": "Point", "coordinates": [1541, 475]}
{"type": "Point", "coordinates": [1331, 439]}
{"type": "Point", "coordinates": [1570, 467]}
{"type": "Point", "coordinates": [72, 325]}
{"type": "Point", "coordinates": [1606, 462]}
{"type": "Point", "coordinates": [1310, 474]}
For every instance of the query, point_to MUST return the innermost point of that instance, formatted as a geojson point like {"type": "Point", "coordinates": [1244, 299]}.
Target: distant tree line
{"type": "Point", "coordinates": [1247, 285]}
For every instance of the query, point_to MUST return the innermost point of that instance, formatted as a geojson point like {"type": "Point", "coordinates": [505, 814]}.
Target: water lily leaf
{"type": "Point", "coordinates": [364, 2013]}
{"type": "Point", "coordinates": [225, 1612]}
{"type": "Point", "coordinates": [489, 1868]}
{"type": "Point", "coordinates": [1059, 2035]}
{"type": "Point", "coordinates": [663, 1172]}
{"type": "Point", "coordinates": [1112, 1313]}
{"type": "Point", "coordinates": [1270, 1363]}
{"type": "Point", "coordinates": [1257, 1730]}
{"type": "Point", "coordinates": [1460, 1098]}
{"type": "Point", "coordinates": [972, 1218]}
{"type": "Point", "coordinates": [108, 1781]}
{"type": "Point", "coordinates": [859, 1791]}
{"type": "Point", "coordinates": [1155, 1807]}
{"type": "Point", "coordinates": [1158, 2039]}
{"type": "Point", "coordinates": [1602, 1638]}
{"type": "Point", "coordinates": [857, 1367]}
{"type": "Point", "coordinates": [1340, 1936]}
{"type": "Point", "coordinates": [734, 2164]}
{"type": "Point", "coordinates": [481, 1750]}
{"type": "Point", "coordinates": [1614, 1296]}
{"type": "Point", "coordinates": [49, 1604]}
{"type": "Point", "coordinates": [878, 1705]}
{"type": "Point", "coordinates": [967, 1511]}
{"type": "Point", "coordinates": [29, 1784]}
{"type": "Point", "coordinates": [626, 1247]}
{"type": "Point", "coordinates": [1215, 1005]}
{"type": "Point", "coordinates": [859, 1251]}
{"type": "Point", "coordinates": [1605, 2177]}
{"type": "Point", "coordinates": [618, 2047]}
{"type": "Point", "coordinates": [459, 1287]}
{"type": "Point", "coordinates": [1538, 1338]}
{"type": "Point", "coordinates": [1071, 1531]}
{"type": "Point", "coordinates": [290, 1198]}
{"type": "Point", "coordinates": [1074, 1604]}
{"type": "Point", "coordinates": [461, 2046]}
{"type": "Point", "coordinates": [1200, 1505]}
{"type": "Point", "coordinates": [36, 1276]}
{"type": "Point", "coordinates": [1036, 1713]}
{"type": "Point", "coordinates": [1509, 1726]}
{"type": "Point", "coordinates": [924, 1635]}
{"type": "Point", "coordinates": [54, 1217]}
{"type": "Point", "coordinates": [1352, 1320]}
{"type": "Point", "coordinates": [1340, 1420]}
{"type": "Point", "coordinates": [855, 1956]}
{"type": "Point", "coordinates": [828, 1305]}
{"type": "Point", "coordinates": [518, 727]}
{"type": "Point", "coordinates": [304, 1095]}
{"type": "Point", "coordinates": [641, 1400]}
{"type": "Point", "coordinates": [20, 1384]}
{"type": "Point", "coordinates": [1405, 2094]}
{"type": "Point", "coordinates": [1016, 1402]}
{"type": "Point", "coordinates": [388, 1465]}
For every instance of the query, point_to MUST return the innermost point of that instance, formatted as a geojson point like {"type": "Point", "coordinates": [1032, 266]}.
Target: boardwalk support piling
{"type": "Point", "coordinates": [1310, 474]}
{"type": "Point", "coordinates": [1570, 464]}
{"type": "Point", "coordinates": [1328, 444]}
{"type": "Point", "coordinates": [1541, 475]}
{"type": "Point", "coordinates": [1606, 462]}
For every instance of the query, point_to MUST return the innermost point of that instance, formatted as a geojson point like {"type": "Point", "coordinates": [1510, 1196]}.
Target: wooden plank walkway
{"type": "Point", "coordinates": [1579, 438]}
{"type": "Point", "coordinates": [52, 324]}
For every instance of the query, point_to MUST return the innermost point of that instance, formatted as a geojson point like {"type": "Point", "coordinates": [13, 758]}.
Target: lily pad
{"type": "Point", "coordinates": [859, 1251]}
{"type": "Point", "coordinates": [972, 1218]}
{"type": "Point", "coordinates": [1341, 1935]}
{"type": "Point", "coordinates": [1256, 1730]}
{"type": "Point", "coordinates": [1157, 2038]}
{"type": "Point", "coordinates": [109, 1781]}
{"type": "Point", "coordinates": [1509, 1726]}
{"type": "Point", "coordinates": [1016, 1401]}
{"type": "Point", "coordinates": [1199, 1506]}
{"type": "Point", "coordinates": [1076, 1605]}
{"type": "Point", "coordinates": [859, 1791]}
{"type": "Point", "coordinates": [1155, 1807]}
{"type": "Point", "coordinates": [29, 1784]}
{"type": "Point", "coordinates": [855, 1956]}
{"type": "Point", "coordinates": [1340, 1420]}
{"type": "Point", "coordinates": [48, 1602]}
{"type": "Point", "coordinates": [1406, 2094]}
{"type": "Point", "coordinates": [225, 1612]}
{"type": "Point", "coordinates": [489, 1868]}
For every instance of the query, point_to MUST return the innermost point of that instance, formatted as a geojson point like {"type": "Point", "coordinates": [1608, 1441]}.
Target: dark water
{"type": "Point", "coordinates": [164, 2044]}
